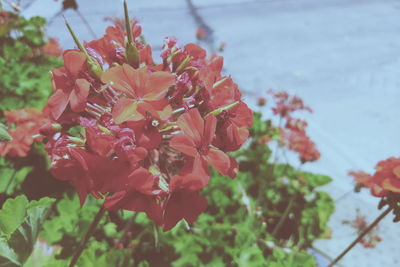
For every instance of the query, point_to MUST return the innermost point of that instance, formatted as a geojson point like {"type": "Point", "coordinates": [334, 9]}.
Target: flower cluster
{"type": "Point", "coordinates": [142, 135]}
{"type": "Point", "coordinates": [286, 104]}
{"type": "Point", "coordinates": [386, 178]}
{"type": "Point", "coordinates": [293, 133]}
{"type": "Point", "coordinates": [23, 124]}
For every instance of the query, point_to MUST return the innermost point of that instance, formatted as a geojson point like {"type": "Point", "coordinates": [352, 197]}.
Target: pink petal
{"type": "Point", "coordinates": [78, 97]}
{"type": "Point", "coordinates": [219, 160]}
{"type": "Point", "coordinates": [184, 144]}
{"type": "Point", "coordinates": [192, 124]}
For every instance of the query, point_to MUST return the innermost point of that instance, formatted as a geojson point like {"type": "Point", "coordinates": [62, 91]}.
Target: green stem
{"type": "Point", "coordinates": [89, 233]}
{"type": "Point", "coordinates": [366, 231]}
{"type": "Point", "coordinates": [283, 218]}
{"type": "Point", "coordinates": [10, 181]}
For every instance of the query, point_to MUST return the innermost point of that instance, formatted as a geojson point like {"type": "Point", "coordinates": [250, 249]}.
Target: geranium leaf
{"type": "Point", "coordinates": [12, 215]}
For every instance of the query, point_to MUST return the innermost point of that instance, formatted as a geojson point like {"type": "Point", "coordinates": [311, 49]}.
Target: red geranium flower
{"type": "Point", "coordinates": [143, 92]}
{"type": "Point", "coordinates": [24, 124]}
{"type": "Point", "coordinates": [196, 138]}
{"type": "Point", "coordinates": [149, 130]}
{"type": "Point", "coordinates": [70, 85]}
{"type": "Point", "coordinates": [387, 177]}
{"type": "Point", "coordinates": [232, 130]}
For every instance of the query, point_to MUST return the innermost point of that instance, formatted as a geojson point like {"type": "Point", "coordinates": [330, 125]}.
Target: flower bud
{"type": "Point", "coordinates": [132, 54]}
{"type": "Point", "coordinates": [94, 66]}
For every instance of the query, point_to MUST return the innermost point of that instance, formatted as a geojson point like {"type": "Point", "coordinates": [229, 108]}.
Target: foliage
{"type": "Point", "coordinates": [20, 223]}
{"type": "Point", "coordinates": [24, 67]}
{"type": "Point", "coordinates": [24, 82]}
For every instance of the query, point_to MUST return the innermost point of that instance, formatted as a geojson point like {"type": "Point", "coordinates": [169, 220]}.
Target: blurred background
{"type": "Point", "coordinates": [342, 57]}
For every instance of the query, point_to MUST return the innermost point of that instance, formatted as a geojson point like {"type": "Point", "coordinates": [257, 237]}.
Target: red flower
{"type": "Point", "coordinates": [232, 130]}
{"type": "Point", "coordinates": [146, 146]}
{"type": "Point", "coordinates": [74, 165]}
{"type": "Point", "coordinates": [70, 86]}
{"type": "Point", "coordinates": [24, 124]}
{"type": "Point", "coordinates": [143, 92]}
{"type": "Point", "coordinates": [52, 48]}
{"type": "Point", "coordinates": [362, 178]}
{"type": "Point", "coordinates": [387, 177]}
{"type": "Point", "coordinates": [302, 144]}
{"type": "Point", "coordinates": [138, 193]}
{"type": "Point", "coordinates": [196, 138]}
{"type": "Point", "coordinates": [296, 124]}
{"type": "Point", "coordinates": [286, 104]}
{"type": "Point", "coordinates": [261, 101]}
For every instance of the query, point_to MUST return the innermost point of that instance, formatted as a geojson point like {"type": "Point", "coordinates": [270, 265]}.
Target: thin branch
{"type": "Point", "coordinates": [366, 231]}
{"type": "Point", "coordinates": [89, 233]}
{"type": "Point", "coordinates": [283, 218]}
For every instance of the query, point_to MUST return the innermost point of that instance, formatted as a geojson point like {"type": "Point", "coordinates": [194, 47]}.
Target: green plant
{"type": "Point", "coordinates": [23, 64]}
{"type": "Point", "coordinates": [20, 223]}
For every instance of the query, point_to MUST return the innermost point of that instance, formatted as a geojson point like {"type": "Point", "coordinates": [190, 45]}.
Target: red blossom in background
{"type": "Point", "coordinates": [261, 101]}
{"type": "Point", "coordinates": [23, 124]}
{"type": "Point", "coordinates": [361, 178]}
{"type": "Point", "coordinates": [299, 142]}
{"type": "Point", "coordinates": [200, 33]}
{"type": "Point", "coordinates": [52, 48]}
{"type": "Point", "coordinates": [286, 104]}
{"type": "Point", "coordinates": [293, 133]}
{"type": "Point", "coordinates": [150, 131]}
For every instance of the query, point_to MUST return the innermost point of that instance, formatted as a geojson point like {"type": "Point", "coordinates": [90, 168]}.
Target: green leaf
{"type": "Point", "coordinates": [20, 222]}
{"type": "Point", "coordinates": [24, 239]}
{"type": "Point", "coordinates": [316, 180]}
{"type": "Point", "coordinates": [8, 257]}
{"type": "Point", "coordinates": [4, 135]}
{"type": "Point", "coordinates": [12, 215]}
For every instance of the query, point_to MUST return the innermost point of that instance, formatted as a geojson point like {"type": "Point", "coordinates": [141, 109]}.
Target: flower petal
{"type": "Point", "coordinates": [157, 85]}
{"type": "Point", "coordinates": [192, 124]}
{"type": "Point", "coordinates": [126, 109]}
{"type": "Point", "coordinates": [219, 160]}
{"type": "Point", "coordinates": [184, 144]}
{"type": "Point", "coordinates": [78, 97]}
{"type": "Point", "coordinates": [58, 103]}
{"type": "Point", "coordinates": [74, 62]}
{"type": "Point", "coordinates": [209, 129]}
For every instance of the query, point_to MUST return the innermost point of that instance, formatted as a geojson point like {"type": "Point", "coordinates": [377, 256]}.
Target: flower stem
{"type": "Point", "coordinates": [283, 218]}
{"type": "Point", "coordinates": [89, 233]}
{"type": "Point", "coordinates": [369, 228]}
{"type": "Point", "coordinates": [10, 181]}
{"type": "Point", "coordinates": [127, 227]}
